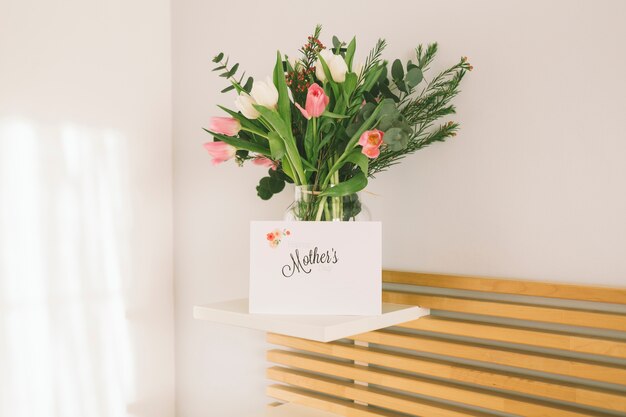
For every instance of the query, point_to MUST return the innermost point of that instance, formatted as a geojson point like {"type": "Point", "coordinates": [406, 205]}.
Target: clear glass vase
{"type": "Point", "coordinates": [308, 205]}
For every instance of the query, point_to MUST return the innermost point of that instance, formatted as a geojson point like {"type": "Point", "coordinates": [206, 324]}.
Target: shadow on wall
{"type": "Point", "coordinates": [64, 261]}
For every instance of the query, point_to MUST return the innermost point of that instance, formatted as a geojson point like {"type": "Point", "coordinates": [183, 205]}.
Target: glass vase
{"type": "Point", "coordinates": [309, 205]}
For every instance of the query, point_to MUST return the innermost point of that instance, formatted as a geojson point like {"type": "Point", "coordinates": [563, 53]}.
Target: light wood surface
{"type": "Point", "coordinates": [509, 286]}
{"type": "Point", "coordinates": [511, 310]}
{"type": "Point", "coordinates": [416, 385]}
{"type": "Point", "coordinates": [555, 390]}
{"type": "Point", "coordinates": [523, 336]}
{"type": "Point", "coordinates": [501, 356]}
{"type": "Point", "coordinates": [390, 401]}
{"type": "Point", "coordinates": [320, 402]}
{"type": "Point", "coordinates": [415, 367]}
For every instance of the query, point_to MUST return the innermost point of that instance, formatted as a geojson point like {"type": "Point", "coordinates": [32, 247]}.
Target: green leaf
{"type": "Point", "coordinates": [334, 115]}
{"type": "Point", "coordinates": [336, 43]}
{"type": "Point", "coordinates": [388, 94]}
{"type": "Point", "coordinates": [309, 146]}
{"type": "Point", "coordinates": [218, 57]}
{"type": "Point", "coordinates": [240, 143]}
{"type": "Point", "coordinates": [227, 89]}
{"type": "Point", "coordinates": [255, 127]}
{"type": "Point", "coordinates": [288, 170]}
{"type": "Point", "coordinates": [277, 146]}
{"type": "Point", "coordinates": [284, 130]}
{"type": "Point", "coordinates": [275, 185]}
{"type": "Point", "coordinates": [233, 70]}
{"type": "Point", "coordinates": [413, 77]}
{"type": "Point", "coordinates": [397, 71]}
{"type": "Point", "coordinates": [401, 86]}
{"type": "Point", "coordinates": [349, 85]}
{"type": "Point", "coordinates": [263, 189]}
{"type": "Point", "coordinates": [351, 186]}
{"type": "Point", "coordinates": [357, 158]}
{"type": "Point", "coordinates": [309, 166]}
{"type": "Point", "coordinates": [284, 105]}
{"type": "Point", "coordinates": [350, 52]}
{"type": "Point", "coordinates": [274, 119]}
{"type": "Point", "coordinates": [248, 86]}
{"type": "Point", "coordinates": [372, 77]}
{"type": "Point", "coordinates": [368, 123]}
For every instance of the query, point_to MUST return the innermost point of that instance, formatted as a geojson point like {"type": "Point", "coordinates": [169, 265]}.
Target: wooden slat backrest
{"type": "Point", "coordinates": [509, 286]}
{"type": "Point", "coordinates": [479, 353]}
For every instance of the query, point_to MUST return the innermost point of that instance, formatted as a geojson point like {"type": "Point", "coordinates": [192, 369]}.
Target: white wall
{"type": "Point", "coordinates": [86, 292]}
{"type": "Point", "coordinates": [532, 187]}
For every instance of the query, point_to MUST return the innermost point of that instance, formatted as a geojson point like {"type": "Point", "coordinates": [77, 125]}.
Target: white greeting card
{"type": "Point", "coordinates": [329, 268]}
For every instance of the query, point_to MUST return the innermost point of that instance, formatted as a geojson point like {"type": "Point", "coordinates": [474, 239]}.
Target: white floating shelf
{"type": "Point", "coordinates": [320, 328]}
{"type": "Point", "coordinates": [295, 410]}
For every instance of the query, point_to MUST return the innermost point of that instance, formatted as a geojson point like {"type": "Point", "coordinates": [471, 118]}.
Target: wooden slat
{"type": "Point", "coordinates": [501, 356]}
{"type": "Point", "coordinates": [511, 310]}
{"type": "Point", "coordinates": [417, 385]}
{"type": "Point", "coordinates": [320, 402]}
{"type": "Point", "coordinates": [508, 286]}
{"type": "Point", "coordinates": [524, 336]}
{"type": "Point", "coordinates": [461, 373]}
{"type": "Point", "coordinates": [373, 396]}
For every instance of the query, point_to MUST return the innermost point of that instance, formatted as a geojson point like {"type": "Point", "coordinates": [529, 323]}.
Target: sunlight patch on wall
{"type": "Point", "coordinates": [65, 261]}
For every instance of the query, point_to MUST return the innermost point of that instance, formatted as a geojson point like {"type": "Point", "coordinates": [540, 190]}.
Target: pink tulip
{"type": "Point", "coordinates": [371, 151]}
{"type": "Point", "coordinates": [225, 125]}
{"type": "Point", "coordinates": [371, 140]}
{"type": "Point", "coordinates": [220, 151]}
{"type": "Point", "coordinates": [316, 102]}
{"type": "Point", "coordinates": [265, 162]}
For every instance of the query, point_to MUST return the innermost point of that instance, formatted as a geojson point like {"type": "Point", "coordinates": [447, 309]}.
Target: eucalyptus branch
{"type": "Point", "coordinates": [229, 73]}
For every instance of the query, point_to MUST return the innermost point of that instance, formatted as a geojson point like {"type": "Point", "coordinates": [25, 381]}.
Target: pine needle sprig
{"type": "Point", "coordinates": [373, 58]}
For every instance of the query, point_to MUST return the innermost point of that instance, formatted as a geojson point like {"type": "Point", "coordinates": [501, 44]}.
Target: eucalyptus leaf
{"type": "Point", "coordinates": [397, 71]}
{"type": "Point", "coordinates": [336, 43]}
{"type": "Point", "coordinates": [248, 86]}
{"type": "Point", "coordinates": [396, 139]}
{"type": "Point", "coordinates": [233, 70]}
{"type": "Point", "coordinates": [367, 110]}
{"type": "Point", "coordinates": [401, 86]}
{"type": "Point", "coordinates": [227, 89]}
{"type": "Point", "coordinates": [350, 52]}
{"type": "Point", "coordinates": [264, 193]}
{"type": "Point", "coordinates": [413, 77]}
{"type": "Point", "coordinates": [276, 185]}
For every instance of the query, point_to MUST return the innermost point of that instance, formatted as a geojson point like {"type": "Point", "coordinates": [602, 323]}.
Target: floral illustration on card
{"type": "Point", "coordinates": [274, 238]}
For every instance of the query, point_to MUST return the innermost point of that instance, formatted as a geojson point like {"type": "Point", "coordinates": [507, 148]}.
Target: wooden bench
{"type": "Point", "coordinates": [491, 347]}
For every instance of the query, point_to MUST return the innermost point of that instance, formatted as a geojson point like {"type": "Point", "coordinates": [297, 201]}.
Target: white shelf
{"type": "Point", "coordinates": [295, 410]}
{"type": "Point", "coordinates": [320, 328]}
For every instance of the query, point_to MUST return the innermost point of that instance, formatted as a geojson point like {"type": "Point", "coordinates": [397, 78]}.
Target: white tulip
{"type": "Point", "coordinates": [265, 93]}
{"type": "Point", "coordinates": [336, 65]}
{"type": "Point", "coordinates": [244, 104]}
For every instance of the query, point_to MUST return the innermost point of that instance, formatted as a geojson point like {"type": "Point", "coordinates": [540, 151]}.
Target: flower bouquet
{"type": "Point", "coordinates": [327, 125]}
